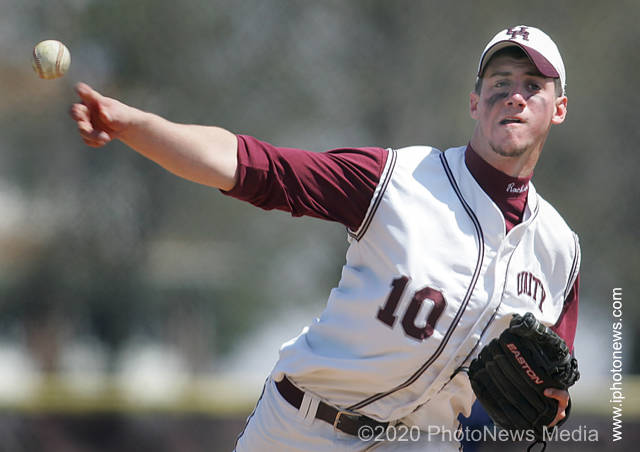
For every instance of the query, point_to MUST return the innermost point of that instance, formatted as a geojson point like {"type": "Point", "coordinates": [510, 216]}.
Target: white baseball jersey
{"type": "Point", "coordinates": [430, 277]}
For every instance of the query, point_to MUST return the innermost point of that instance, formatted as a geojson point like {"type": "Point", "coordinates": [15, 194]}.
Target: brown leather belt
{"type": "Point", "coordinates": [345, 421]}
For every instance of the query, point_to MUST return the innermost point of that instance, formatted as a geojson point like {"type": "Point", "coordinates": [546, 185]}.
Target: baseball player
{"type": "Point", "coordinates": [444, 248]}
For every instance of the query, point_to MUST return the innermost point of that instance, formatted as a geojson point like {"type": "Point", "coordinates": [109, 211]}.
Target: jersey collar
{"type": "Point", "coordinates": [509, 193]}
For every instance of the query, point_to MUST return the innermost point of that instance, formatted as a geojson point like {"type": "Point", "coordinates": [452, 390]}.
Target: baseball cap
{"type": "Point", "coordinates": [538, 46]}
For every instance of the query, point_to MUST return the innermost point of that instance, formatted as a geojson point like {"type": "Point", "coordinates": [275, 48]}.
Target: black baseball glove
{"type": "Point", "coordinates": [511, 373]}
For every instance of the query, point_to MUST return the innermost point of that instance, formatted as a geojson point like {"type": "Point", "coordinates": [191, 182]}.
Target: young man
{"type": "Point", "coordinates": [444, 248]}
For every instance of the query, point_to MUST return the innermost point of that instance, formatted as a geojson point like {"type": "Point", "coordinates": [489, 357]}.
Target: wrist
{"type": "Point", "coordinates": [134, 124]}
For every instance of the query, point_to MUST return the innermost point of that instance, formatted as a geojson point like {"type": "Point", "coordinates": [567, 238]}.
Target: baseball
{"type": "Point", "coordinates": [50, 59]}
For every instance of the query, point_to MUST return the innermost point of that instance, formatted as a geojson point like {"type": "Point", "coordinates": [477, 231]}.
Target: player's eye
{"type": "Point", "coordinates": [500, 84]}
{"type": "Point", "coordinates": [534, 87]}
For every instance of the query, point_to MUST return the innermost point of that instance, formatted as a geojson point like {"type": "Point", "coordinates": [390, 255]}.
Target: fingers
{"type": "Point", "coordinates": [90, 117]}
{"type": "Point", "coordinates": [88, 95]}
{"type": "Point", "coordinates": [79, 112]}
{"type": "Point", "coordinates": [93, 137]}
{"type": "Point", "coordinates": [562, 397]}
{"type": "Point", "coordinates": [96, 139]}
{"type": "Point", "coordinates": [94, 101]}
{"type": "Point", "coordinates": [90, 134]}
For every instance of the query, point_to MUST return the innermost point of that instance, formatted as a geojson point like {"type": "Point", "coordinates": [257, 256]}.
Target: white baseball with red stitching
{"type": "Point", "coordinates": [50, 59]}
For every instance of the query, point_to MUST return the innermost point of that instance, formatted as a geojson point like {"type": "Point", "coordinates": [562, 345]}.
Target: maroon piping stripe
{"type": "Point", "coordinates": [385, 183]}
{"type": "Point", "coordinates": [574, 266]}
{"type": "Point", "coordinates": [493, 316]}
{"type": "Point", "coordinates": [463, 306]}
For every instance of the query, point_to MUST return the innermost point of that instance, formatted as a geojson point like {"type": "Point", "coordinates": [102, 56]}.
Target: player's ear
{"type": "Point", "coordinates": [473, 104]}
{"type": "Point", "coordinates": [560, 110]}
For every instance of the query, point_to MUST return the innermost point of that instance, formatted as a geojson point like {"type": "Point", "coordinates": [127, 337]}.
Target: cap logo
{"type": "Point", "coordinates": [522, 32]}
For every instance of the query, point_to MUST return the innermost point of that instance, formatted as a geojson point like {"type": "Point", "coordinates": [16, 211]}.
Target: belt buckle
{"type": "Point", "coordinates": [336, 421]}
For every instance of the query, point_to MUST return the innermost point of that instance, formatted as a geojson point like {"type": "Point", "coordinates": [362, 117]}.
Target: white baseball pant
{"type": "Point", "coordinates": [277, 426]}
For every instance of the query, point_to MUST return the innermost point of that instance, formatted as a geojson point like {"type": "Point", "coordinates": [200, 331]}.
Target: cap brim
{"type": "Point", "coordinates": [541, 63]}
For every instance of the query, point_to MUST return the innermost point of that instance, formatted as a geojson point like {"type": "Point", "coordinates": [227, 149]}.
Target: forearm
{"type": "Point", "coordinates": [202, 154]}
{"type": "Point", "coordinates": [206, 155]}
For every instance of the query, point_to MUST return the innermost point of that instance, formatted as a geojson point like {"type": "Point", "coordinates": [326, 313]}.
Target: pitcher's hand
{"type": "Point", "coordinates": [100, 119]}
{"type": "Point", "coordinates": [563, 402]}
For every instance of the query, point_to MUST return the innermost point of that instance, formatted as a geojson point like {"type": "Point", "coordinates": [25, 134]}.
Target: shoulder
{"type": "Point", "coordinates": [411, 157]}
{"type": "Point", "coordinates": [416, 152]}
{"type": "Point", "coordinates": [557, 236]}
{"type": "Point", "coordinates": [551, 220]}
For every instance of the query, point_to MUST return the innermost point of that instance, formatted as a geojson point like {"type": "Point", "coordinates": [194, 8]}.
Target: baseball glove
{"type": "Point", "coordinates": [511, 373]}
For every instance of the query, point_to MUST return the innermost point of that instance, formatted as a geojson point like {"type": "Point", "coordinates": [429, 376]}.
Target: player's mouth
{"type": "Point", "coordinates": [511, 120]}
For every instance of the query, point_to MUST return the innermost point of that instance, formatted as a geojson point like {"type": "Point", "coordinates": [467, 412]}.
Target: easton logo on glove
{"type": "Point", "coordinates": [511, 373]}
{"type": "Point", "coordinates": [525, 365]}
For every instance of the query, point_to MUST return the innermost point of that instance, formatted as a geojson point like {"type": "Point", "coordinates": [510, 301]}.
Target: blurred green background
{"type": "Point", "coordinates": [134, 304]}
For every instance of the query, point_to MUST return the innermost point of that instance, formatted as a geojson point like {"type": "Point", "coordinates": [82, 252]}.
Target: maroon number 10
{"type": "Point", "coordinates": [387, 315]}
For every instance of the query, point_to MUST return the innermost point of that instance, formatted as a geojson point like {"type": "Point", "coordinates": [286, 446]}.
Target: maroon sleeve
{"type": "Point", "coordinates": [335, 185]}
{"type": "Point", "coordinates": [568, 321]}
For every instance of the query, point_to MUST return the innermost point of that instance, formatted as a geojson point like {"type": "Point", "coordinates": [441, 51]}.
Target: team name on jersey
{"type": "Point", "coordinates": [530, 285]}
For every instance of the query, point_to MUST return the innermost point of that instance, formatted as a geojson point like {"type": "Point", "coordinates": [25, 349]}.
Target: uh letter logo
{"type": "Point", "coordinates": [521, 32]}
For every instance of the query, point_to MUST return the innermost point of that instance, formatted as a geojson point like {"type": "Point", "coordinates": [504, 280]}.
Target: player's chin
{"type": "Point", "coordinates": [509, 149]}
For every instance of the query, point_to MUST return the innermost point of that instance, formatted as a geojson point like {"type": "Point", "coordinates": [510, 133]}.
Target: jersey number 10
{"type": "Point", "coordinates": [387, 313]}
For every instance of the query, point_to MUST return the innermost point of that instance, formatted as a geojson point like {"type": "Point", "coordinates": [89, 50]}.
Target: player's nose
{"type": "Point", "coordinates": [515, 98]}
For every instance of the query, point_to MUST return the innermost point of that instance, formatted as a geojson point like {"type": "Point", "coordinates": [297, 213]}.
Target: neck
{"type": "Point", "coordinates": [507, 192]}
